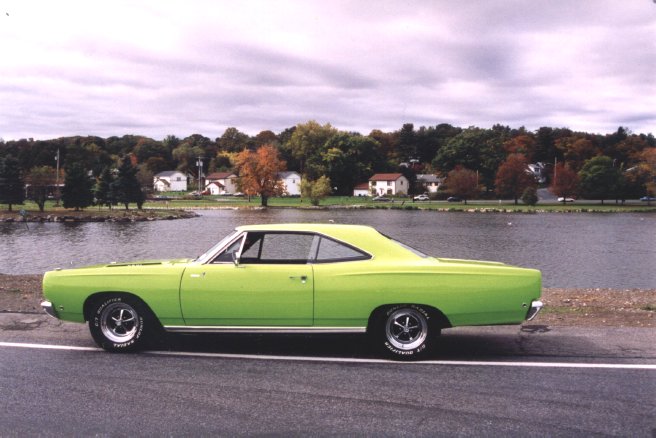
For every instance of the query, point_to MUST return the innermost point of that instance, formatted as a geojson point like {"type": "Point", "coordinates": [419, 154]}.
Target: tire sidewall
{"type": "Point", "coordinates": [96, 331]}
{"type": "Point", "coordinates": [397, 353]}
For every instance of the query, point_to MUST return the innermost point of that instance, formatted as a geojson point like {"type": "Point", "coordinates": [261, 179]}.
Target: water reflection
{"type": "Point", "coordinates": [572, 250]}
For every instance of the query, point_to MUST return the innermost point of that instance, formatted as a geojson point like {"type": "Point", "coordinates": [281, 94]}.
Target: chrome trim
{"type": "Point", "coordinates": [261, 329]}
{"type": "Point", "coordinates": [536, 306]}
{"type": "Point", "coordinates": [49, 308]}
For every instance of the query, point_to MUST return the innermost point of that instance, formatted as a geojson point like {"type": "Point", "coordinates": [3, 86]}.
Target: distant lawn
{"type": "Point", "coordinates": [344, 202]}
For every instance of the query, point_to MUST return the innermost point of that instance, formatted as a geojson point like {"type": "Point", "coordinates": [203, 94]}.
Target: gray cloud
{"type": "Point", "coordinates": [156, 69]}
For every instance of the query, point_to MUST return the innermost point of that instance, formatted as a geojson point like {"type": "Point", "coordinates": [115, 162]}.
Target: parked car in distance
{"type": "Point", "coordinates": [423, 197]}
{"type": "Point", "coordinates": [647, 198]}
{"type": "Point", "coordinates": [294, 278]}
{"type": "Point", "coordinates": [453, 199]}
{"type": "Point", "coordinates": [382, 199]}
{"type": "Point", "coordinates": [561, 199]}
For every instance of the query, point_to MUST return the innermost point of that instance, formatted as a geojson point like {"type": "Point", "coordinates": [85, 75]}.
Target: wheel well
{"type": "Point", "coordinates": [98, 296]}
{"type": "Point", "coordinates": [434, 312]}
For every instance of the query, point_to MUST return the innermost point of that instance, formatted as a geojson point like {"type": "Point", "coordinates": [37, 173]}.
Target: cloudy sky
{"type": "Point", "coordinates": [182, 67]}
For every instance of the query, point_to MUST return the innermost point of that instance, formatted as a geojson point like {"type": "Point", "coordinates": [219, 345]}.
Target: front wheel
{"type": "Point", "coordinates": [117, 323]}
{"type": "Point", "coordinates": [406, 332]}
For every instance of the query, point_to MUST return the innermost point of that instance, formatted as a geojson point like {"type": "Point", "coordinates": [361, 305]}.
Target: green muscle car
{"type": "Point", "coordinates": [294, 278]}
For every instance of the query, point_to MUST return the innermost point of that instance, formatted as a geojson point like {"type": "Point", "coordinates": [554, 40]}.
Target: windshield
{"type": "Point", "coordinates": [415, 251]}
{"type": "Point", "coordinates": [212, 250]}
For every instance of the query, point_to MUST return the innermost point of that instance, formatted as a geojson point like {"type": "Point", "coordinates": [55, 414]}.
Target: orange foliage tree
{"type": "Point", "coordinates": [513, 177]}
{"type": "Point", "coordinates": [258, 172]}
{"type": "Point", "coordinates": [462, 183]}
{"type": "Point", "coordinates": [565, 182]}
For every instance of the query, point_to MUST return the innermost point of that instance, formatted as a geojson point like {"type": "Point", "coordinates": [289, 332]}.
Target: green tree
{"type": "Point", "coordinates": [12, 187]}
{"type": "Point", "coordinates": [530, 196]}
{"type": "Point", "coordinates": [103, 189]}
{"type": "Point", "coordinates": [513, 177]}
{"type": "Point", "coordinates": [475, 148]}
{"type": "Point", "coordinates": [77, 192]}
{"type": "Point", "coordinates": [126, 187]}
{"type": "Point", "coordinates": [40, 179]}
{"type": "Point", "coordinates": [316, 190]}
{"type": "Point", "coordinates": [600, 179]}
{"type": "Point", "coordinates": [233, 140]}
{"type": "Point", "coordinates": [308, 140]}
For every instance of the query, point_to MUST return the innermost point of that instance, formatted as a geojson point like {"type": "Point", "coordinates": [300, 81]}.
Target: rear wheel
{"type": "Point", "coordinates": [406, 332]}
{"type": "Point", "coordinates": [120, 323]}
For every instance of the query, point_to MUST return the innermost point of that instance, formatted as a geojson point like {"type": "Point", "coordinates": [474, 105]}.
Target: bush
{"type": "Point", "coordinates": [530, 196]}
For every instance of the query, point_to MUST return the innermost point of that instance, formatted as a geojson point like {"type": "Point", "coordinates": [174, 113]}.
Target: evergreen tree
{"type": "Point", "coordinates": [126, 187]}
{"type": "Point", "coordinates": [77, 188]}
{"type": "Point", "coordinates": [103, 189]}
{"type": "Point", "coordinates": [12, 188]}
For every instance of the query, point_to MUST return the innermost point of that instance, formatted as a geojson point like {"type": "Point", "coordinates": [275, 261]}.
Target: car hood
{"type": "Point", "coordinates": [133, 264]}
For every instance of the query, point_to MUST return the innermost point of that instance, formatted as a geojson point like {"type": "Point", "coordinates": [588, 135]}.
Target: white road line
{"type": "Point", "coordinates": [352, 360]}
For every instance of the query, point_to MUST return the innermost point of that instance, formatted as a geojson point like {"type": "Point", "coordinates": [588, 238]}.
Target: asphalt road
{"type": "Point", "coordinates": [488, 381]}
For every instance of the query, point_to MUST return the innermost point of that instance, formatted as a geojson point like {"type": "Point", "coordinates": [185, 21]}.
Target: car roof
{"type": "Point", "coordinates": [361, 236]}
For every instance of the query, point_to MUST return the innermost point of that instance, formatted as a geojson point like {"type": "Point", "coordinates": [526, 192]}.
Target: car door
{"type": "Point", "coordinates": [271, 284]}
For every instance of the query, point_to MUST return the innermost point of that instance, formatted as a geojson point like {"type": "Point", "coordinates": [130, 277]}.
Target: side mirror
{"type": "Point", "coordinates": [235, 258]}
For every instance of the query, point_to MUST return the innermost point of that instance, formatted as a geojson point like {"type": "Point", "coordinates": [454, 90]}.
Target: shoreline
{"type": "Point", "coordinates": [575, 307]}
{"type": "Point", "coordinates": [145, 215]}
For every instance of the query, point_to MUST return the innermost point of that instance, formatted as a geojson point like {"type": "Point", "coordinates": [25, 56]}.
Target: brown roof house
{"type": "Point", "coordinates": [388, 184]}
{"type": "Point", "coordinates": [221, 183]}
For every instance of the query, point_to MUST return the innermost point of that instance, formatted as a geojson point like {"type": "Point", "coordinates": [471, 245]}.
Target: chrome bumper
{"type": "Point", "coordinates": [48, 308]}
{"type": "Point", "coordinates": [536, 306]}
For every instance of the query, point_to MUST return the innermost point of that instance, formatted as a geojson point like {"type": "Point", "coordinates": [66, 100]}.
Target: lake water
{"type": "Point", "coordinates": [571, 250]}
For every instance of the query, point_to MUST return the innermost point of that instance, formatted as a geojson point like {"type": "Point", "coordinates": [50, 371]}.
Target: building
{"type": "Point", "coordinates": [388, 184]}
{"type": "Point", "coordinates": [428, 183]}
{"type": "Point", "coordinates": [292, 182]}
{"type": "Point", "coordinates": [361, 189]}
{"type": "Point", "coordinates": [170, 181]}
{"type": "Point", "coordinates": [221, 183]}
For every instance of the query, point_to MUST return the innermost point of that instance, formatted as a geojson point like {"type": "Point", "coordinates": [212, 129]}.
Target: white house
{"type": "Point", "coordinates": [221, 183]}
{"type": "Point", "coordinates": [428, 182]}
{"type": "Point", "coordinates": [361, 189]}
{"type": "Point", "coordinates": [170, 181]}
{"type": "Point", "coordinates": [388, 184]}
{"type": "Point", "coordinates": [292, 182]}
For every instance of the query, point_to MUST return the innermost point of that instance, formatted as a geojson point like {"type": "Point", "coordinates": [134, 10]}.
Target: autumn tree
{"type": "Point", "coordinates": [462, 183]}
{"type": "Point", "coordinates": [258, 172]}
{"type": "Point", "coordinates": [565, 182]}
{"type": "Point", "coordinates": [513, 177]}
{"type": "Point", "coordinates": [40, 179]}
{"type": "Point", "coordinates": [316, 190]}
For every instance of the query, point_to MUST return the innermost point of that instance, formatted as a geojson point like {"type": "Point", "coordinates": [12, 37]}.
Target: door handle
{"type": "Point", "coordinates": [303, 278]}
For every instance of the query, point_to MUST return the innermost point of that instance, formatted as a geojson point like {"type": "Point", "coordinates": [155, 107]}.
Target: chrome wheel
{"type": "Point", "coordinates": [119, 322]}
{"type": "Point", "coordinates": [406, 329]}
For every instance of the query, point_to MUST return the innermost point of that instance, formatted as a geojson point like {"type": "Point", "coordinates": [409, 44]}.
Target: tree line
{"type": "Point", "coordinates": [619, 165]}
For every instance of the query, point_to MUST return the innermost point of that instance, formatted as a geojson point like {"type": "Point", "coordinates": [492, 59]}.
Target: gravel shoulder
{"type": "Point", "coordinates": [580, 307]}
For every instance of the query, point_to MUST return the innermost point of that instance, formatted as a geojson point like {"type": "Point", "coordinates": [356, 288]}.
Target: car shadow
{"type": "Point", "coordinates": [451, 345]}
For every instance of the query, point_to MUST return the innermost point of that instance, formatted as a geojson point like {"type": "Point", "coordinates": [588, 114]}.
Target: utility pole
{"type": "Point", "coordinates": [57, 194]}
{"type": "Point", "coordinates": [199, 163]}
{"type": "Point", "coordinates": [555, 170]}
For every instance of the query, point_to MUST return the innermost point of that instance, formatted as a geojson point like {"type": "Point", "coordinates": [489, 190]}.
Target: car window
{"type": "Point", "coordinates": [226, 255]}
{"type": "Point", "coordinates": [274, 248]}
{"type": "Point", "coordinates": [326, 250]}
